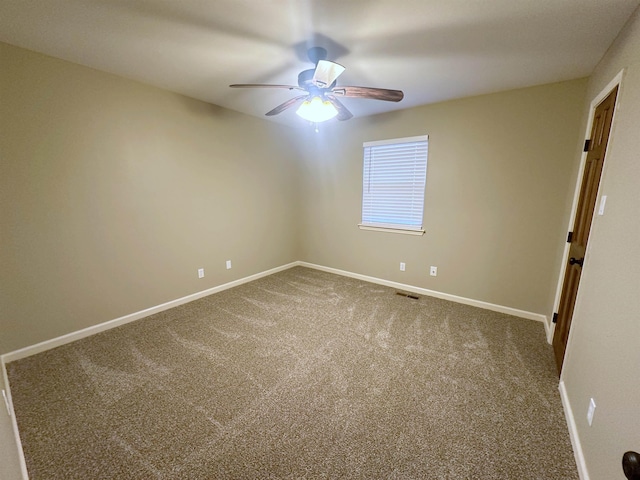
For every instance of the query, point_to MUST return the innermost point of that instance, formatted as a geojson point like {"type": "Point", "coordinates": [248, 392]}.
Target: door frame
{"type": "Point", "coordinates": [616, 81]}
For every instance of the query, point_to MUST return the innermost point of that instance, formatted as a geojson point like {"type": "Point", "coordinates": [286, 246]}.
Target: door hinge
{"type": "Point", "coordinates": [569, 237]}
{"type": "Point", "coordinates": [555, 318]}
{"type": "Point", "coordinates": [587, 144]}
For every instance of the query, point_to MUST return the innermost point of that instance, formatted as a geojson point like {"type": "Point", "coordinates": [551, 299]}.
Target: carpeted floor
{"type": "Point", "coordinates": [302, 374]}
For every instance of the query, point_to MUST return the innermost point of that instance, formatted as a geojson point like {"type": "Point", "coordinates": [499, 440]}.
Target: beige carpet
{"type": "Point", "coordinates": [302, 374]}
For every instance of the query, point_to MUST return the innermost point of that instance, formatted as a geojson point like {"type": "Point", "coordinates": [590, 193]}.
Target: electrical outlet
{"type": "Point", "coordinates": [590, 412]}
{"type": "Point", "coordinates": [200, 272]}
{"type": "Point", "coordinates": [402, 266]}
{"type": "Point", "coordinates": [433, 271]}
{"type": "Point", "coordinates": [228, 264]}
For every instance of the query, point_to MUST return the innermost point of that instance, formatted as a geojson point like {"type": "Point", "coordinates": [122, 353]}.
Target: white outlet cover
{"type": "Point", "coordinates": [603, 202]}
{"type": "Point", "coordinates": [590, 412]}
{"type": "Point", "coordinates": [433, 271]}
{"type": "Point", "coordinates": [402, 266]}
{"type": "Point", "coordinates": [200, 272]}
{"type": "Point", "coordinates": [228, 264]}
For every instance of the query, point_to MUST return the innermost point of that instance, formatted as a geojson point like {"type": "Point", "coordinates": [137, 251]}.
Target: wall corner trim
{"type": "Point", "coordinates": [573, 433]}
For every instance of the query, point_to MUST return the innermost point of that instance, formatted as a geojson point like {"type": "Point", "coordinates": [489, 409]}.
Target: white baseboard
{"type": "Point", "coordinates": [549, 329]}
{"type": "Point", "coordinates": [433, 293]}
{"type": "Point", "coordinates": [14, 423]}
{"type": "Point", "coordinates": [573, 433]}
{"type": "Point", "coordinates": [86, 332]}
{"type": "Point", "coordinates": [92, 330]}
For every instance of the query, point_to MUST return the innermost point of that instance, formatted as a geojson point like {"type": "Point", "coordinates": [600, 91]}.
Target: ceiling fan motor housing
{"type": "Point", "coordinates": [305, 80]}
{"type": "Point", "coordinates": [305, 77]}
{"type": "Point", "coordinates": [316, 54]}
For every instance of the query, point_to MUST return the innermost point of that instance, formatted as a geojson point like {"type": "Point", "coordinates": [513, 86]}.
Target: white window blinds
{"type": "Point", "coordinates": [394, 179]}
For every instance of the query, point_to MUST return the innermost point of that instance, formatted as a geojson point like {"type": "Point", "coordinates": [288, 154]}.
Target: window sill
{"type": "Point", "coordinates": [390, 230]}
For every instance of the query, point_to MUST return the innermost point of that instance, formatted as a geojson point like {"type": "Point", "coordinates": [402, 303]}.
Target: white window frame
{"type": "Point", "coordinates": [418, 189]}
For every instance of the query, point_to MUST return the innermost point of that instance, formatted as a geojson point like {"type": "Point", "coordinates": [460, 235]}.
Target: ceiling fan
{"type": "Point", "coordinates": [320, 100]}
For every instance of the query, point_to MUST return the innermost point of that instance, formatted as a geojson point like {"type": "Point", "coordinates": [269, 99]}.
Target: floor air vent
{"type": "Point", "coordinates": [408, 295]}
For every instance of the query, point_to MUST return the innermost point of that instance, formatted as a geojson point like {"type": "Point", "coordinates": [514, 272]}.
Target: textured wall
{"type": "Point", "coordinates": [113, 194]}
{"type": "Point", "coordinates": [603, 354]}
{"type": "Point", "coordinates": [499, 175]}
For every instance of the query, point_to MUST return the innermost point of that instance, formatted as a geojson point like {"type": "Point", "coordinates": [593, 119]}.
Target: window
{"type": "Point", "coordinates": [393, 182]}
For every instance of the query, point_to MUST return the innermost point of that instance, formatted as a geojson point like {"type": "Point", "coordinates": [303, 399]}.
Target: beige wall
{"type": "Point", "coordinates": [113, 194]}
{"type": "Point", "coordinates": [499, 173]}
{"type": "Point", "coordinates": [603, 355]}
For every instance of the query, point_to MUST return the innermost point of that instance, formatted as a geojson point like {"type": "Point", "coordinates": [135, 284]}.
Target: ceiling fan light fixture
{"type": "Point", "coordinates": [317, 110]}
{"type": "Point", "coordinates": [319, 102]}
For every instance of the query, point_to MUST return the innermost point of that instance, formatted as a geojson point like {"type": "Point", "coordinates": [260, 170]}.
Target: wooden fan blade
{"type": "Point", "coordinates": [283, 106]}
{"type": "Point", "coordinates": [368, 92]}
{"type": "Point", "coordinates": [265, 85]}
{"type": "Point", "coordinates": [343, 112]}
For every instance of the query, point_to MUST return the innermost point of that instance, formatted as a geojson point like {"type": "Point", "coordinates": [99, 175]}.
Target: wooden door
{"type": "Point", "coordinates": [597, 146]}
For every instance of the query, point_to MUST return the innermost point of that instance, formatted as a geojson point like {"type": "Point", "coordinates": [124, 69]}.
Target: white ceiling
{"type": "Point", "coordinates": [433, 50]}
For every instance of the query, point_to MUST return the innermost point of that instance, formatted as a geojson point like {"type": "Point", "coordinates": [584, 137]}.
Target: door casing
{"type": "Point", "coordinates": [616, 81]}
